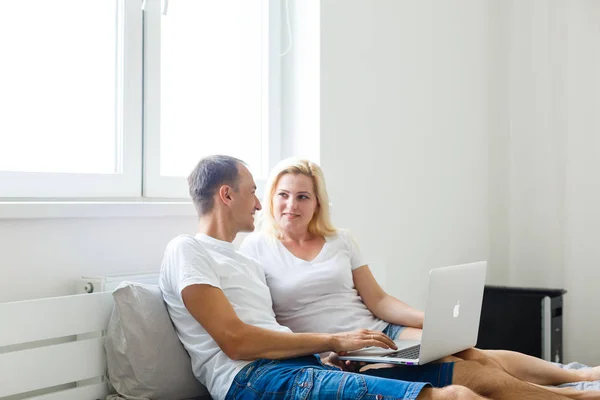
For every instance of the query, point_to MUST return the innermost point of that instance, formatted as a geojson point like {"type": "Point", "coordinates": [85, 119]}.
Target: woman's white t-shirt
{"type": "Point", "coordinates": [317, 295]}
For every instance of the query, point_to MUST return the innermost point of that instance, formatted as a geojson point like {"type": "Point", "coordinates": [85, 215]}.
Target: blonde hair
{"type": "Point", "coordinates": [320, 224]}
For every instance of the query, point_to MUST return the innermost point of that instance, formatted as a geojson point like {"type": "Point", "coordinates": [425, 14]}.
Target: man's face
{"type": "Point", "coordinates": [244, 202]}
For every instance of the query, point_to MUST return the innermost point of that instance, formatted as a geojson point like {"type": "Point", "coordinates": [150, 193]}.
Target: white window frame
{"type": "Point", "coordinates": [137, 191]}
{"type": "Point", "coordinates": [127, 183]}
{"type": "Point", "coordinates": [157, 186]}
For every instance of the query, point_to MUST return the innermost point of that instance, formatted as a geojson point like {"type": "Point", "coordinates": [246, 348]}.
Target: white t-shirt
{"type": "Point", "coordinates": [317, 295]}
{"type": "Point", "coordinates": [202, 259]}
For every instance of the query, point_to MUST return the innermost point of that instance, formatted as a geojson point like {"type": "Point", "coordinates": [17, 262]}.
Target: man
{"type": "Point", "coordinates": [221, 307]}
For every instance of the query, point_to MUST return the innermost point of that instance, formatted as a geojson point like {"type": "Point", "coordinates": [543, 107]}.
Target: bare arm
{"type": "Point", "coordinates": [381, 304]}
{"type": "Point", "coordinates": [240, 341]}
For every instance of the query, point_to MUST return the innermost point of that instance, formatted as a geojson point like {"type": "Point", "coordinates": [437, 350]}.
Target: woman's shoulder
{"type": "Point", "coordinates": [343, 237]}
{"type": "Point", "coordinates": [257, 240]}
{"type": "Point", "coordinates": [341, 234]}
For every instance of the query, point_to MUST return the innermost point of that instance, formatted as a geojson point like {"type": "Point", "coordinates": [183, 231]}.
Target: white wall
{"type": "Point", "coordinates": [44, 257]}
{"type": "Point", "coordinates": [499, 144]}
{"type": "Point", "coordinates": [582, 183]}
{"type": "Point", "coordinates": [553, 158]}
{"type": "Point", "coordinates": [404, 132]}
{"type": "Point", "coordinates": [537, 141]}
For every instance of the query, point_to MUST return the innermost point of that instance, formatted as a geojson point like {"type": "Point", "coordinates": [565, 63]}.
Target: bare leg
{"type": "Point", "coordinates": [574, 393]}
{"type": "Point", "coordinates": [489, 381]}
{"type": "Point", "coordinates": [453, 392]}
{"type": "Point", "coordinates": [570, 393]}
{"type": "Point", "coordinates": [522, 366]}
{"type": "Point", "coordinates": [410, 334]}
{"type": "Point", "coordinates": [531, 369]}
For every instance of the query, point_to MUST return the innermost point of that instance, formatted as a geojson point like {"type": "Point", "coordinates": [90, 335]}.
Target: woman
{"type": "Point", "coordinates": [320, 283]}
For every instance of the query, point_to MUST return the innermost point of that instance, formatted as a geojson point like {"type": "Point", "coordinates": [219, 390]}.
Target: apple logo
{"type": "Point", "coordinates": [456, 310]}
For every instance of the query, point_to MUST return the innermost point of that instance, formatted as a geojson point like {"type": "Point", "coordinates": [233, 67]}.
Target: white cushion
{"type": "Point", "coordinates": [145, 358]}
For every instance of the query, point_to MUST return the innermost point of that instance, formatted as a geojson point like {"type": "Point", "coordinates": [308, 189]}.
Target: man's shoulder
{"type": "Point", "coordinates": [185, 247]}
{"type": "Point", "coordinates": [183, 242]}
{"type": "Point", "coordinates": [189, 254]}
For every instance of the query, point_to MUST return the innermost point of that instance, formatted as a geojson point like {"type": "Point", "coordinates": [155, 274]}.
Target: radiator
{"type": "Point", "coordinates": [94, 284]}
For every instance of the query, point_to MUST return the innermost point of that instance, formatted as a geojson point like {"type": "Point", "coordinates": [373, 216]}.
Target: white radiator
{"type": "Point", "coordinates": [94, 284]}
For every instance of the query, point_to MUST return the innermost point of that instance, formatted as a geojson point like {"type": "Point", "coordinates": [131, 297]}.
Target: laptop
{"type": "Point", "coordinates": [451, 322]}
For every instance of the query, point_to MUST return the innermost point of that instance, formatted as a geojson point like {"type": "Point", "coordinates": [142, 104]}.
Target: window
{"type": "Point", "coordinates": [209, 65]}
{"type": "Point", "coordinates": [106, 100]}
{"type": "Point", "coordinates": [62, 131]}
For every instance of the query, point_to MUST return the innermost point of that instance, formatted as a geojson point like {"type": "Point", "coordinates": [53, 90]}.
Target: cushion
{"type": "Point", "coordinates": [145, 358]}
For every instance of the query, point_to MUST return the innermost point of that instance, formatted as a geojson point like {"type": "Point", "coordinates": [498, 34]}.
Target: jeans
{"type": "Point", "coordinates": [393, 331]}
{"type": "Point", "coordinates": [307, 378]}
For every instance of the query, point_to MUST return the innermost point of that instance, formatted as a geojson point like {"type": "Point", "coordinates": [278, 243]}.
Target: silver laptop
{"type": "Point", "coordinates": [451, 321]}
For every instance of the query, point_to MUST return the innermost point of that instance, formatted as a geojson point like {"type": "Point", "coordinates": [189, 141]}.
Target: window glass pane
{"type": "Point", "coordinates": [57, 86]}
{"type": "Point", "coordinates": [211, 86]}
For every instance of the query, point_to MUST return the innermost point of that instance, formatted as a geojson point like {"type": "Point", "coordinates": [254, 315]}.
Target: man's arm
{"type": "Point", "coordinates": [240, 341]}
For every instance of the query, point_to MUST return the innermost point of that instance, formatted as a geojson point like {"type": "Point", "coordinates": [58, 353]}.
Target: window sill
{"type": "Point", "coordinates": [95, 209]}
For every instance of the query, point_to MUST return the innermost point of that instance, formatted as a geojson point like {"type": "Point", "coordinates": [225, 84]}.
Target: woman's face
{"type": "Point", "coordinates": [294, 202]}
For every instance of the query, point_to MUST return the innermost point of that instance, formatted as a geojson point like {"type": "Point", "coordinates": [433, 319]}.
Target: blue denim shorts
{"type": "Point", "coordinates": [393, 331]}
{"type": "Point", "coordinates": [437, 375]}
{"type": "Point", "coordinates": [307, 378]}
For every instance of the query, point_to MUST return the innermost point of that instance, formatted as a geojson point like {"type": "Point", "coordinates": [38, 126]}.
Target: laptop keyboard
{"type": "Point", "coordinates": [411, 353]}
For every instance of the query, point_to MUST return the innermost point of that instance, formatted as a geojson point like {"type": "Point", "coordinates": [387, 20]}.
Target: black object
{"type": "Point", "coordinates": [526, 320]}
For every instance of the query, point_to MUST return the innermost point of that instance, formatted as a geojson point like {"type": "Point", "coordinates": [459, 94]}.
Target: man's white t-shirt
{"type": "Point", "coordinates": [202, 259]}
{"type": "Point", "coordinates": [317, 295]}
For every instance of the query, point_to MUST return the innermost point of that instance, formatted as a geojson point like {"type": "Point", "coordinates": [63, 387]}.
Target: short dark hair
{"type": "Point", "coordinates": [209, 175]}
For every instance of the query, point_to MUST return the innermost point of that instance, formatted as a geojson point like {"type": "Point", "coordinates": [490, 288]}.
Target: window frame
{"type": "Point", "coordinates": [126, 183]}
{"type": "Point", "coordinates": [166, 187]}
